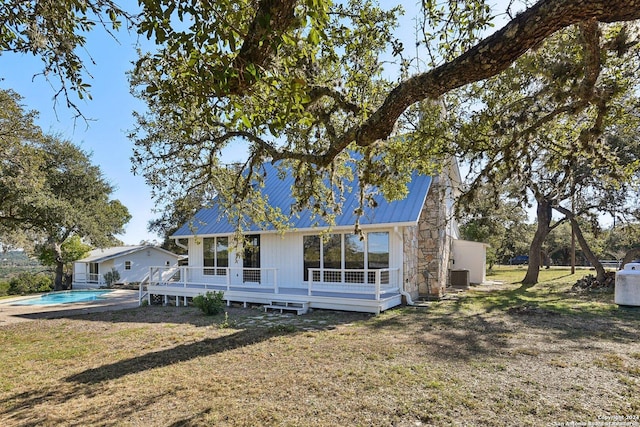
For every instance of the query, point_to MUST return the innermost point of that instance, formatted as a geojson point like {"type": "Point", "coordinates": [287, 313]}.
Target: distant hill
{"type": "Point", "coordinates": [16, 262]}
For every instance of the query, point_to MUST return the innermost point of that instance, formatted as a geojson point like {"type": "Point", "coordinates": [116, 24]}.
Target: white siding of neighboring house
{"type": "Point", "coordinates": [141, 261]}
{"type": "Point", "coordinates": [105, 267]}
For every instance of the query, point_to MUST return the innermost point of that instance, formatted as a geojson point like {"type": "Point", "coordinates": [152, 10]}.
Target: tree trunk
{"type": "Point", "coordinates": [543, 213]}
{"type": "Point", "coordinates": [595, 262]}
{"type": "Point", "coordinates": [57, 284]}
{"type": "Point", "coordinates": [631, 255]}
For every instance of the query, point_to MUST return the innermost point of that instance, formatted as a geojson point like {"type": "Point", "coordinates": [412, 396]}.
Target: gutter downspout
{"type": "Point", "coordinates": [180, 245]}
{"type": "Point", "coordinates": [402, 291]}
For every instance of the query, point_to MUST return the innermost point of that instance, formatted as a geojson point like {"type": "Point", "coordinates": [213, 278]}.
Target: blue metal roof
{"type": "Point", "coordinates": [211, 221]}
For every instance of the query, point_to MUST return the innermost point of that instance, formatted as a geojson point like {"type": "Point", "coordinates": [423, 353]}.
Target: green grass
{"type": "Point", "coordinates": [552, 292]}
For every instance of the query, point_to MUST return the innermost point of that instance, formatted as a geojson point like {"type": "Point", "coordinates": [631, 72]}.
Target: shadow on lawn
{"type": "Point", "coordinates": [483, 323]}
{"type": "Point", "coordinates": [180, 353]}
{"type": "Point", "coordinates": [568, 315]}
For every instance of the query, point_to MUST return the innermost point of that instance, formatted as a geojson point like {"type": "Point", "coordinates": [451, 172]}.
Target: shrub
{"type": "Point", "coordinates": [211, 303]}
{"type": "Point", "coordinates": [27, 283]}
{"type": "Point", "coordinates": [111, 277]}
{"type": "Point", "coordinates": [4, 288]}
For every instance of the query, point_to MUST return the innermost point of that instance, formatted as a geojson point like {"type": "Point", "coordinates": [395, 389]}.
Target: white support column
{"type": "Point", "coordinates": [275, 281]}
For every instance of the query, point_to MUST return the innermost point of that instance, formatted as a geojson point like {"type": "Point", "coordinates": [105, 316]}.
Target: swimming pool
{"type": "Point", "coordinates": [64, 297]}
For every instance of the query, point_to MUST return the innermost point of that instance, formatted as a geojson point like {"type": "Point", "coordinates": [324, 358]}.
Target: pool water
{"type": "Point", "coordinates": [65, 297]}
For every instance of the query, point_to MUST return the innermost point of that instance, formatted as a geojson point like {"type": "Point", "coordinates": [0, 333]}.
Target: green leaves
{"type": "Point", "coordinates": [55, 32]}
{"type": "Point", "coordinates": [49, 189]}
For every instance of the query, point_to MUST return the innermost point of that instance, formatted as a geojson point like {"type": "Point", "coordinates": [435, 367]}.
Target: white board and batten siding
{"type": "Point", "coordinates": [284, 252]}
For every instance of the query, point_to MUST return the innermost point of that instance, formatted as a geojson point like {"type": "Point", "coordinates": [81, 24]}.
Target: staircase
{"type": "Point", "coordinates": [297, 306]}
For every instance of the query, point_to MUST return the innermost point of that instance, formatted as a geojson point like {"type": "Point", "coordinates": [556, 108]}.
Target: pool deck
{"type": "Point", "coordinates": [116, 300]}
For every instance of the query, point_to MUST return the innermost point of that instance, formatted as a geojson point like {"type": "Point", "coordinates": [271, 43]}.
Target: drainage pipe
{"type": "Point", "coordinates": [180, 245]}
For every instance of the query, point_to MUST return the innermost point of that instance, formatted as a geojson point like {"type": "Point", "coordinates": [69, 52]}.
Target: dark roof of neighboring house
{"type": "Point", "coordinates": [210, 221]}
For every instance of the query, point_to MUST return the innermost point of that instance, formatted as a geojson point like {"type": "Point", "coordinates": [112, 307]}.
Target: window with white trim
{"type": "Point", "coordinates": [127, 265]}
{"type": "Point", "coordinates": [215, 255]}
{"type": "Point", "coordinates": [340, 253]}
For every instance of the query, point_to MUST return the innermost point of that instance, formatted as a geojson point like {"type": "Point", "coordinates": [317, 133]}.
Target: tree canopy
{"type": "Point", "coordinates": [50, 190]}
{"type": "Point", "coordinates": [560, 125]}
{"type": "Point", "coordinates": [304, 82]}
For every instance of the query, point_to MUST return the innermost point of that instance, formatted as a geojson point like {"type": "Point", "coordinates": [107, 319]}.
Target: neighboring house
{"type": "Point", "coordinates": [405, 252]}
{"type": "Point", "coordinates": [131, 262]}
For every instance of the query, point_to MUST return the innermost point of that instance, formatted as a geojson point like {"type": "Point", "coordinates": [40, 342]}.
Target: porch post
{"type": "Point", "coordinates": [275, 280]}
{"type": "Point", "coordinates": [377, 285]}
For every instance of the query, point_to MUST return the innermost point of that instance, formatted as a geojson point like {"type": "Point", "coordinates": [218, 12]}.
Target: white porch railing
{"type": "Point", "coordinates": [354, 281]}
{"type": "Point", "coordinates": [214, 277]}
{"type": "Point", "coordinates": [92, 278]}
{"type": "Point", "coordinates": [364, 282]}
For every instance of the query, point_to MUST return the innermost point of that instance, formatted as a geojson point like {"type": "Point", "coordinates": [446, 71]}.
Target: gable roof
{"type": "Point", "coordinates": [105, 254]}
{"type": "Point", "coordinates": [212, 221]}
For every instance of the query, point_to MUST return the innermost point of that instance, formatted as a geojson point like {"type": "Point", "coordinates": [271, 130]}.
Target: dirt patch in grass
{"type": "Point", "coordinates": [470, 361]}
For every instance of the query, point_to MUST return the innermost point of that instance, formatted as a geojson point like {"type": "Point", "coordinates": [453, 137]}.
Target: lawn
{"type": "Point", "coordinates": [498, 355]}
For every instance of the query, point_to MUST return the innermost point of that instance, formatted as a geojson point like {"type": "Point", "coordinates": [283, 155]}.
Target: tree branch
{"type": "Point", "coordinates": [488, 58]}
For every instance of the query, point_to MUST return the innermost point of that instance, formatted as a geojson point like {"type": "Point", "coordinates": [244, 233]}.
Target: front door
{"type": "Point", "coordinates": [251, 261]}
{"type": "Point", "coordinates": [94, 276]}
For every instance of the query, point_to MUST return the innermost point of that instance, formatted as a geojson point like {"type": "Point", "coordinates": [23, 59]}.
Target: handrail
{"type": "Point", "coordinates": [365, 281]}
{"type": "Point", "coordinates": [226, 277]}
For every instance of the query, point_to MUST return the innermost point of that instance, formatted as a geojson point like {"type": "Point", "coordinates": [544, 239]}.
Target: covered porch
{"type": "Point", "coordinates": [363, 290]}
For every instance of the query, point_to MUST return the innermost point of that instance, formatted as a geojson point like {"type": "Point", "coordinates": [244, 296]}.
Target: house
{"type": "Point", "coordinates": [404, 252]}
{"type": "Point", "coordinates": [131, 262]}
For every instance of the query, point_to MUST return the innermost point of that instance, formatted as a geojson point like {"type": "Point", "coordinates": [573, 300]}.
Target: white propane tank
{"type": "Point", "coordinates": [628, 285]}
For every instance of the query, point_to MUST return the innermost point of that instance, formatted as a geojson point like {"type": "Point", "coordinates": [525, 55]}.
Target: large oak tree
{"type": "Point", "coordinates": [303, 82]}
{"type": "Point", "coordinates": [49, 189]}
{"type": "Point", "coordinates": [560, 126]}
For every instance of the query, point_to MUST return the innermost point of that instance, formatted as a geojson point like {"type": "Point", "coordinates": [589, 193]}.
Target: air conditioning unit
{"type": "Point", "coordinates": [460, 279]}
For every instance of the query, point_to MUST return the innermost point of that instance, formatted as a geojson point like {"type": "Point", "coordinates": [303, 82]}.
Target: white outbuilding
{"type": "Point", "coordinates": [131, 262]}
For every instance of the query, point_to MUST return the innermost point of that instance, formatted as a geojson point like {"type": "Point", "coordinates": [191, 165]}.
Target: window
{"type": "Point", "coordinates": [378, 250]}
{"type": "Point", "coordinates": [127, 265]}
{"type": "Point", "coordinates": [93, 272]}
{"type": "Point", "coordinates": [347, 252]}
{"type": "Point", "coordinates": [311, 250]}
{"type": "Point", "coordinates": [215, 255]}
{"type": "Point", "coordinates": [353, 258]}
{"type": "Point", "coordinates": [378, 255]}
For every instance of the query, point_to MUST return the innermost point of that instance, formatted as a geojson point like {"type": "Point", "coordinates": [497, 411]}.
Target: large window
{"type": "Point", "coordinates": [216, 255]}
{"type": "Point", "coordinates": [378, 255]}
{"type": "Point", "coordinates": [346, 252]}
{"type": "Point", "coordinates": [311, 250]}
{"type": "Point", "coordinates": [378, 250]}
